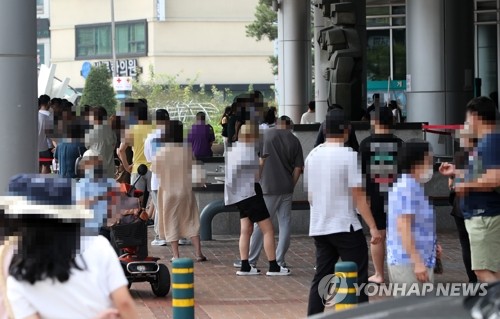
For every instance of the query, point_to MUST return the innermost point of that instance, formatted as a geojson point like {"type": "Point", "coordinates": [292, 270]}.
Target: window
{"type": "Point", "coordinates": [40, 7]}
{"type": "Point", "coordinates": [386, 35]}
{"type": "Point", "coordinates": [94, 41]}
{"type": "Point", "coordinates": [378, 55]}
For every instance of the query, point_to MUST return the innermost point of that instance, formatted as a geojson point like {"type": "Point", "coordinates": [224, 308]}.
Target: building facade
{"type": "Point", "coordinates": [198, 39]}
{"type": "Point", "coordinates": [43, 31]}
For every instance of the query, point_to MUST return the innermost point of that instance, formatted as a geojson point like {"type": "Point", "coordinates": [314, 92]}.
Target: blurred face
{"type": "Point", "coordinates": [471, 124]}
{"type": "Point", "coordinates": [424, 170]}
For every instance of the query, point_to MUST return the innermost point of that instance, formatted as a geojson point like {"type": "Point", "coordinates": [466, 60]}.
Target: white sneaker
{"type": "Point", "coordinates": [253, 272]}
{"type": "Point", "coordinates": [184, 241]}
{"type": "Point", "coordinates": [283, 272]}
{"type": "Point", "coordinates": [159, 242]}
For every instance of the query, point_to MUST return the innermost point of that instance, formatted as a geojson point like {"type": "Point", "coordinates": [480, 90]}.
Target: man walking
{"type": "Point", "coordinates": [283, 162]}
{"type": "Point", "coordinates": [379, 164]}
{"type": "Point", "coordinates": [334, 185]}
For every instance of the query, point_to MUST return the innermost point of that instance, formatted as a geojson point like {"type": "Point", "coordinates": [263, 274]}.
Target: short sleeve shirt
{"type": "Point", "coordinates": [485, 156]}
{"type": "Point", "coordinates": [201, 136]}
{"type": "Point", "coordinates": [379, 164]}
{"type": "Point", "coordinates": [407, 198]}
{"type": "Point", "coordinates": [284, 154]}
{"type": "Point", "coordinates": [241, 170]}
{"type": "Point", "coordinates": [331, 171]}
{"type": "Point", "coordinates": [84, 295]}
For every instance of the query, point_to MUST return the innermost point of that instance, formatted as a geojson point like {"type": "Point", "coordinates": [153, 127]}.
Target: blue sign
{"type": "Point", "coordinates": [86, 67]}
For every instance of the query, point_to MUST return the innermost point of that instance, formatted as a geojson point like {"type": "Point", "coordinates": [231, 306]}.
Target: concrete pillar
{"type": "Point", "coordinates": [320, 83]}
{"type": "Point", "coordinates": [18, 89]}
{"type": "Point", "coordinates": [440, 62]}
{"type": "Point", "coordinates": [294, 68]}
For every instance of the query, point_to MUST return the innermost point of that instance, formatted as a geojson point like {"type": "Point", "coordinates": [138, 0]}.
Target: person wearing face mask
{"type": "Point", "coordinates": [92, 191]}
{"type": "Point", "coordinates": [411, 228]}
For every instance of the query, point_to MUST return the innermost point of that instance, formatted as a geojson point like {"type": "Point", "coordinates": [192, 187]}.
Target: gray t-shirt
{"type": "Point", "coordinates": [284, 154]}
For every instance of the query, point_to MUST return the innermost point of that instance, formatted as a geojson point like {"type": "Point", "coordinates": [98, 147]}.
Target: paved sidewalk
{"type": "Point", "coordinates": [220, 294]}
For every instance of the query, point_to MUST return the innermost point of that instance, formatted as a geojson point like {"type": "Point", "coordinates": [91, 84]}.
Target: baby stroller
{"type": "Point", "coordinates": [129, 236]}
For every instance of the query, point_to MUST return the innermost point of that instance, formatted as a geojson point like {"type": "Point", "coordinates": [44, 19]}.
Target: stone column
{"type": "Point", "coordinates": [294, 68]}
{"type": "Point", "coordinates": [18, 89]}
{"type": "Point", "coordinates": [320, 83]}
{"type": "Point", "coordinates": [440, 62]}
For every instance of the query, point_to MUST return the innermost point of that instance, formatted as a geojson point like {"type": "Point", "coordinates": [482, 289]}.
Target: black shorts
{"type": "Point", "coordinates": [380, 220]}
{"type": "Point", "coordinates": [254, 207]}
{"type": "Point", "coordinates": [46, 154]}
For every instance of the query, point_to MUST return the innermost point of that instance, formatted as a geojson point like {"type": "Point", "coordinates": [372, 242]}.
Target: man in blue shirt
{"type": "Point", "coordinates": [480, 191]}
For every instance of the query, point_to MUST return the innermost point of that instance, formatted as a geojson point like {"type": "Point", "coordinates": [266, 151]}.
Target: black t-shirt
{"type": "Point", "coordinates": [379, 166]}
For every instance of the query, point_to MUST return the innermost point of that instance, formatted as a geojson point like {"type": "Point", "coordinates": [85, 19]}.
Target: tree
{"type": "Point", "coordinates": [265, 26]}
{"type": "Point", "coordinates": [98, 90]}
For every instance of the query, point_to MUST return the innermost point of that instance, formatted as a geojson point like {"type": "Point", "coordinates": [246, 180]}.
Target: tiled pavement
{"type": "Point", "coordinates": [220, 294]}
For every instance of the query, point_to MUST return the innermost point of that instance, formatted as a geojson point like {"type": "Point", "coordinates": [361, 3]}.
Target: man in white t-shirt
{"type": "Point", "coordinates": [309, 117]}
{"type": "Point", "coordinates": [334, 224]}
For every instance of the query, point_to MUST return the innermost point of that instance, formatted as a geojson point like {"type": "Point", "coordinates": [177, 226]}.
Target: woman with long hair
{"type": "Point", "coordinates": [53, 272]}
{"type": "Point", "coordinates": [179, 216]}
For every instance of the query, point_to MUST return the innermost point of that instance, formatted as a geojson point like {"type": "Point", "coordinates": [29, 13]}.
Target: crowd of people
{"type": "Point", "coordinates": [53, 256]}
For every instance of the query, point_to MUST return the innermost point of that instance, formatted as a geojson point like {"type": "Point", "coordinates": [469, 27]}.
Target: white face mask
{"type": "Point", "coordinates": [426, 176]}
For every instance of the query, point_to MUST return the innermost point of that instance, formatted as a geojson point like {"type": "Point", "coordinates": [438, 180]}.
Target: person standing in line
{"type": "Point", "coordinates": [283, 163]}
{"type": "Point", "coordinates": [45, 126]}
{"type": "Point", "coordinates": [412, 247]}
{"type": "Point", "coordinates": [231, 124]}
{"type": "Point", "coordinates": [201, 137]}
{"type": "Point", "coordinates": [269, 120]}
{"type": "Point", "coordinates": [309, 117]}
{"type": "Point", "coordinates": [379, 164]}
{"type": "Point", "coordinates": [178, 214]}
{"type": "Point", "coordinates": [224, 122]}
{"type": "Point", "coordinates": [150, 148]}
{"type": "Point", "coordinates": [480, 189]}
{"type": "Point", "coordinates": [135, 136]}
{"type": "Point", "coordinates": [101, 139]}
{"type": "Point", "coordinates": [334, 181]}
{"type": "Point", "coordinates": [242, 189]}
{"type": "Point", "coordinates": [70, 148]}
{"type": "Point", "coordinates": [460, 161]}
{"type": "Point", "coordinates": [351, 142]}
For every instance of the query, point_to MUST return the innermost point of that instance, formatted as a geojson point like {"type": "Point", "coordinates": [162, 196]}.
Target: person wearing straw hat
{"type": "Point", "coordinates": [53, 274]}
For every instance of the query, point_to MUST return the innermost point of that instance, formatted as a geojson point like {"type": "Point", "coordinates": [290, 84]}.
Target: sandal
{"type": "Point", "coordinates": [201, 259]}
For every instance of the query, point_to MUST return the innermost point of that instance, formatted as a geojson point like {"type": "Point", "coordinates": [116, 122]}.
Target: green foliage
{"type": "Point", "coordinates": [164, 91]}
{"type": "Point", "coordinates": [265, 26]}
{"type": "Point", "coordinates": [265, 22]}
{"type": "Point", "coordinates": [98, 90]}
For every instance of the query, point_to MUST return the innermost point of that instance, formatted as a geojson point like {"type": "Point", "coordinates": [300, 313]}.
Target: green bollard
{"type": "Point", "coordinates": [346, 297]}
{"type": "Point", "coordinates": [183, 288]}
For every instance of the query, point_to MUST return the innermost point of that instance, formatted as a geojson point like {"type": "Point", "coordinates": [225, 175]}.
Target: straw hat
{"type": "Point", "coordinates": [44, 196]}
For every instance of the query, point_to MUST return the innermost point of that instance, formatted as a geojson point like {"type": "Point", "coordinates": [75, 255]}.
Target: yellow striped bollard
{"type": "Point", "coordinates": [183, 288]}
{"type": "Point", "coordinates": [346, 298]}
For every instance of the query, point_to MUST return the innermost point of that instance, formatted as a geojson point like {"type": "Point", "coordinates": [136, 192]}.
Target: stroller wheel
{"type": "Point", "coordinates": [161, 286]}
